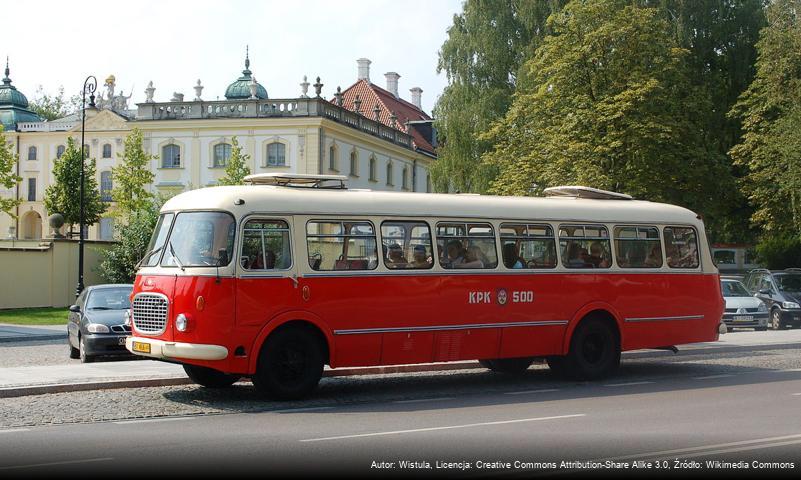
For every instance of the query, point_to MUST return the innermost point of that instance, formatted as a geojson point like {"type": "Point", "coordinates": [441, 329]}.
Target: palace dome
{"type": "Point", "coordinates": [240, 89]}
{"type": "Point", "coordinates": [14, 105]}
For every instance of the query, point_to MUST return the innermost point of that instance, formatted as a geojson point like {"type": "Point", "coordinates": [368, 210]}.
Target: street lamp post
{"type": "Point", "coordinates": [89, 86]}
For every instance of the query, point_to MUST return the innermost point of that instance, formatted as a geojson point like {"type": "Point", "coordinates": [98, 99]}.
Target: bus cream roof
{"type": "Point", "coordinates": [311, 201]}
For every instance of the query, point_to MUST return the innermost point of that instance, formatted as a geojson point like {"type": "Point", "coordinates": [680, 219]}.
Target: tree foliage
{"type": "Point", "coordinates": [131, 176]}
{"type": "Point", "coordinates": [8, 179]}
{"type": "Point", "coordinates": [779, 252]}
{"type": "Point", "coordinates": [52, 107]}
{"type": "Point", "coordinates": [770, 111]}
{"type": "Point", "coordinates": [64, 194]}
{"type": "Point", "coordinates": [607, 102]}
{"type": "Point", "coordinates": [118, 264]}
{"type": "Point", "coordinates": [236, 169]}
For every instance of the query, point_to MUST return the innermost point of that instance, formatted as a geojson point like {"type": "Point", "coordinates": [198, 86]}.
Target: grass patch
{"type": "Point", "coordinates": [35, 316]}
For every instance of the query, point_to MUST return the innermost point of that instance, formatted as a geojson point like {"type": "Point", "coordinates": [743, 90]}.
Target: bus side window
{"type": "Point", "coordinates": [528, 246]}
{"type": "Point", "coordinates": [681, 247]}
{"type": "Point", "coordinates": [265, 245]}
{"type": "Point", "coordinates": [347, 245]}
{"type": "Point", "coordinates": [407, 245]}
{"type": "Point", "coordinates": [466, 245]}
{"type": "Point", "coordinates": [585, 246]}
{"type": "Point", "coordinates": [638, 247]}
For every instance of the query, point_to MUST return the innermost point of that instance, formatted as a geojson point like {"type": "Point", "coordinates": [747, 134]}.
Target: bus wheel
{"type": "Point", "coordinates": [507, 365]}
{"type": "Point", "coordinates": [290, 364]}
{"type": "Point", "coordinates": [209, 377]}
{"type": "Point", "coordinates": [594, 351]}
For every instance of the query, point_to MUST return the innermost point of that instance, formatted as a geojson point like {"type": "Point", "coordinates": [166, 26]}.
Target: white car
{"type": "Point", "coordinates": [743, 310]}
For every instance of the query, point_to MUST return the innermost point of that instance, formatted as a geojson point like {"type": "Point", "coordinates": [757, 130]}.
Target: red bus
{"type": "Point", "coordinates": [277, 279]}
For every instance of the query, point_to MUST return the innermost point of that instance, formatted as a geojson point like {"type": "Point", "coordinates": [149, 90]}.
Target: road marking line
{"type": "Point", "coordinates": [797, 394]}
{"type": "Point", "coordinates": [788, 370]}
{"type": "Point", "coordinates": [451, 427]}
{"type": "Point", "coordinates": [14, 430]}
{"type": "Point", "coordinates": [153, 420]}
{"type": "Point", "coordinates": [626, 384]}
{"type": "Point", "coordinates": [294, 410]}
{"type": "Point", "coordinates": [710, 377]}
{"type": "Point", "coordinates": [51, 464]}
{"type": "Point", "coordinates": [421, 400]}
{"type": "Point", "coordinates": [524, 392]}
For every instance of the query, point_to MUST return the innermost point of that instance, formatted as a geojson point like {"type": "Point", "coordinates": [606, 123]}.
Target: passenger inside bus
{"type": "Point", "coordinates": [395, 258]}
{"type": "Point", "coordinates": [473, 258]}
{"type": "Point", "coordinates": [455, 254]}
{"type": "Point", "coordinates": [420, 258]}
{"type": "Point", "coordinates": [598, 257]}
{"type": "Point", "coordinates": [654, 258]}
{"type": "Point", "coordinates": [510, 257]}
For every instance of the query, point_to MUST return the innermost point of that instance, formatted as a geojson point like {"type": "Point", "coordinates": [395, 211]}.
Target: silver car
{"type": "Point", "coordinates": [743, 310]}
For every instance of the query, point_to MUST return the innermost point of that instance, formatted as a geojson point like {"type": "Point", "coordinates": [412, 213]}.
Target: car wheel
{"type": "Point", "coordinates": [290, 364]}
{"type": "Point", "coordinates": [594, 351]}
{"type": "Point", "coordinates": [507, 365]}
{"type": "Point", "coordinates": [209, 377]}
{"type": "Point", "coordinates": [85, 358]}
{"type": "Point", "coordinates": [776, 319]}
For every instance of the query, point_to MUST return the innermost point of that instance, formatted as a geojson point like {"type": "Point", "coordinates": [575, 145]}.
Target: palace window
{"type": "Point", "coordinates": [354, 164]}
{"type": "Point", "coordinates": [60, 151]}
{"type": "Point", "coordinates": [105, 186]}
{"type": "Point", "coordinates": [405, 180]}
{"type": "Point", "coordinates": [32, 153]}
{"type": "Point", "coordinates": [373, 176]}
{"type": "Point", "coordinates": [276, 154]}
{"type": "Point", "coordinates": [222, 153]}
{"type": "Point", "coordinates": [171, 156]}
{"type": "Point", "coordinates": [31, 189]}
{"type": "Point", "coordinates": [106, 150]}
{"type": "Point", "coordinates": [389, 173]}
{"type": "Point", "coordinates": [332, 158]}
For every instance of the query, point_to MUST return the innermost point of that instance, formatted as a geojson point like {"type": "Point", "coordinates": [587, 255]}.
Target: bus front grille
{"type": "Point", "coordinates": [150, 313]}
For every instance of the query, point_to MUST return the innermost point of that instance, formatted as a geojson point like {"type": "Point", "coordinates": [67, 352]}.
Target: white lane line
{"type": "Point", "coordinates": [626, 384]}
{"type": "Point", "coordinates": [51, 464]}
{"type": "Point", "coordinates": [153, 420]}
{"type": "Point", "coordinates": [14, 430]}
{"type": "Point", "coordinates": [450, 427]}
{"type": "Point", "coordinates": [710, 377]}
{"type": "Point", "coordinates": [789, 370]}
{"type": "Point", "coordinates": [298, 410]}
{"type": "Point", "coordinates": [421, 400]}
{"type": "Point", "coordinates": [797, 394]}
{"type": "Point", "coordinates": [526, 392]}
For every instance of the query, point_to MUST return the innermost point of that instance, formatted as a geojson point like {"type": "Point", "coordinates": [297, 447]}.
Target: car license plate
{"type": "Point", "coordinates": [121, 341]}
{"type": "Point", "coordinates": [743, 318]}
{"type": "Point", "coordinates": [140, 347]}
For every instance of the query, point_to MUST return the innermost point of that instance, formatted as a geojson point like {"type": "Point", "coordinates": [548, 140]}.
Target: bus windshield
{"type": "Point", "coordinates": [200, 239]}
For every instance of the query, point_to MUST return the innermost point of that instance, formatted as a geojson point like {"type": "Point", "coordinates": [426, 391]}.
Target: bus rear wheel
{"type": "Point", "coordinates": [209, 377]}
{"type": "Point", "coordinates": [507, 365]}
{"type": "Point", "coordinates": [290, 364]}
{"type": "Point", "coordinates": [594, 352]}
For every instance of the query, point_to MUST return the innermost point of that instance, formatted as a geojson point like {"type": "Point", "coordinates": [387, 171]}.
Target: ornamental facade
{"type": "Point", "coordinates": [366, 132]}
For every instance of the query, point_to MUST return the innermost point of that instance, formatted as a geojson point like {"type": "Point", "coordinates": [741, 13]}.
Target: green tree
{"type": "Point", "coordinates": [8, 179]}
{"type": "Point", "coordinates": [770, 112]}
{"type": "Point", "coordinates": [52, 107]}
{"type": "Point", "coordinates": [485, 47]}
{"type": "Point", "coordinates": [236, 169]}
{"type": "Point", "coordinates": [131, 176]}
{"type": "Point", "coordinates": [607, 102]}
{"type": "Point", "coordinates": [118, 264]}
{"type": "Point", "coordinates": [64, 194]}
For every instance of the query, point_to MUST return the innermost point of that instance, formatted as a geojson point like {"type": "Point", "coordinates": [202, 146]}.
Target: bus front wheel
{"type": "Point", "coordinates": [594, 352]}
{"type": "Point", "coordinates": [507, 365]}
{"type": "Point", "coordinates": [290, 364]}
{"type": "Point", "coordinates": [209, 377]}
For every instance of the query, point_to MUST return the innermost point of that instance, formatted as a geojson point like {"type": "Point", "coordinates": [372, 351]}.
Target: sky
{"type": "Point", "coordinates": [175, 43]}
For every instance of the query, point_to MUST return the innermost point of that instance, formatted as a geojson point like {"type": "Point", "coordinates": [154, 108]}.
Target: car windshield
{"type": "Point", "coordinates": [200, 239]}
{"type": "Point", "coordinates": [734, 289]}
{"type": "Point", "coordinates": [109, 299]}
{"type": "Point", "coordinates": [789, 282]}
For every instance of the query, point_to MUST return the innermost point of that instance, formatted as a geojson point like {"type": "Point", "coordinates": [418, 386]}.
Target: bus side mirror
{"type": "Point", "coordinates": [222, 257]}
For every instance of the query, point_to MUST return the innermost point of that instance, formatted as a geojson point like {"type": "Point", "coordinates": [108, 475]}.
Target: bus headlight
{"type": "Point", "coordinates": [181, 322]}
{"type": "Point", "coordinates": [790, 305]}
{"type": "Point", "coordinates": [762, 308]}
{"type": "Point", "coordinates": [97, 328]}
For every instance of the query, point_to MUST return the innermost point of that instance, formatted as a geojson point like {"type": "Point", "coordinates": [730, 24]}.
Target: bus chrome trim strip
{"type": "Point", "coordinates": [664, 319]}
{"type": "Point", "coordinates": [475, 326]}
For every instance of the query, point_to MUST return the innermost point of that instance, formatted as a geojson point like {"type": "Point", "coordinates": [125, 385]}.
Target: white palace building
{"type": "Point", "coordinates": [366, 132]}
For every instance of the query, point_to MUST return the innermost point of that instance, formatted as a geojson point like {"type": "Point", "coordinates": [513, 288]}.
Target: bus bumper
{"type": "Point", "coordinates": [150, 347]}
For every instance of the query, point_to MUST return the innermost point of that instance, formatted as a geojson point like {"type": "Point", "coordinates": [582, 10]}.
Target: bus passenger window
{"type": "Point", "coordinates": [265, 245]}
{"type": "Point", "coordinates": [341, 245]}
{"type": "Point", "coordinates": [585, 246]}
{"type": "Point", "coordinates": [638, 247]}
{"type": "Point", "coordinates": [466, 245]}
{"type": "Point", "coordinates": [407, 245]}
{"type": "Point", "coordinates": [681, 247]}
{"type": "Point", "coordinates": [528, 246]}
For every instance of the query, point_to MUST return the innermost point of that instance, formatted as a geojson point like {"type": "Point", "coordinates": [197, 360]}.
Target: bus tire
{"type": "Point", "coordinates": [209, 377]}
{"type": "Point", "coordinates": [594, 350]}
{"type": "Point", "coordinates": [507, 365]}
{"type": "Point", "coordinates": [290, 364]}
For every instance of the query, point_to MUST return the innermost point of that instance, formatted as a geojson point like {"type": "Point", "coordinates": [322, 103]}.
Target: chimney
{"type": "Point", "coordinates": [392, 82]}
{"type": "Point", "coordinates": [417, 93]}
{"type": "Point", "coordinates": [364, 69]}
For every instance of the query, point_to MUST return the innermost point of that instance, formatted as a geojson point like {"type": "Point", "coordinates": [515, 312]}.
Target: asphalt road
{"type": "Point", "coordinates": [738, 405]}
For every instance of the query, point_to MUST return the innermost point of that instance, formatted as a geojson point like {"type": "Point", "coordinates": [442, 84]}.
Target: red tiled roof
{"type": "Point", "coordinates": [371, 95]}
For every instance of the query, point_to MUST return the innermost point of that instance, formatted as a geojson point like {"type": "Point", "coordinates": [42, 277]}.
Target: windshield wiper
{"type": "Point", "coordinates": [175, 257]}
{"type": "Point", "coordinates": [147, 255]}
{"type": "Point", "coordinates": [100, 308]}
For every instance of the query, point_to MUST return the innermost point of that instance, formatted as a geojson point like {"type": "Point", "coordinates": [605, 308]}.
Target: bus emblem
{"type": "Point", "coordinates": [502, 297]}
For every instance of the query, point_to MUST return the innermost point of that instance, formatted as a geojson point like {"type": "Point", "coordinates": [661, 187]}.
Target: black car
{"type": "Point", "coordinates": [781, 292]}
{"type": "Point", "coordinates": [96, 323]}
